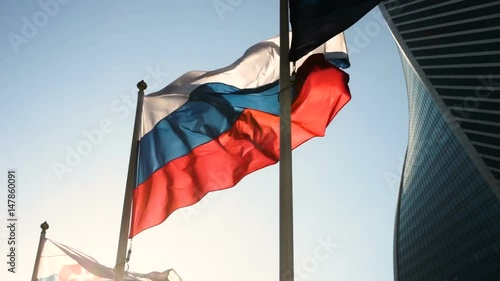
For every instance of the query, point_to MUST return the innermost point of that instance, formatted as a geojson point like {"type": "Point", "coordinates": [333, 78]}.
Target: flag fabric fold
{"type": "Point", "coordinates": [316, 21]}
{"type": "Point", "coordinates": [59, 262]}
{"type": "Point", "coordinates": [207, 130]}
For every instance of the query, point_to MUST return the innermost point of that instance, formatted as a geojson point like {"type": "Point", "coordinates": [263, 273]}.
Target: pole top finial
{"type": "Point", "coordinates": [44, 226]}
{"type": "Point", "coordinates": [142, 85]}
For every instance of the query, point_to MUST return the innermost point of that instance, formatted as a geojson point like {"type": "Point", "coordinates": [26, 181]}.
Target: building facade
{"type": "Point", "coordinates": [447, 223]}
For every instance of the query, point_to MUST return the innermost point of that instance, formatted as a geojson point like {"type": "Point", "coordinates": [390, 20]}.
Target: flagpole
{"type": "Point", "coordinates": [130, 185]}
{"type": "Point", "coordinates": [286, 194]}
{"type": "Point", "coordinates": [44, 226]}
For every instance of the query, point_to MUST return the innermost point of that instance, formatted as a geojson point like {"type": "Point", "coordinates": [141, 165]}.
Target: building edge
{"type": "Point", "coordinates": [446, 113]}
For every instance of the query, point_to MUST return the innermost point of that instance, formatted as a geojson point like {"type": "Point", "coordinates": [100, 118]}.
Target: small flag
{"type": "Point", "coordinates": [207, 130]}
{"type": "Point", "coordinates": [316, 21]}
{"type": "Point", "coordinates": [62, 263]}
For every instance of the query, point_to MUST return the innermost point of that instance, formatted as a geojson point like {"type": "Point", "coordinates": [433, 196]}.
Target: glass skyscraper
{"type": "Point", "coordinates": [448, 216]}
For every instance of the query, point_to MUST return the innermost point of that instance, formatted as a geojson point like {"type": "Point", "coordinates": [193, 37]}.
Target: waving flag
{"type": "Point", "coordinates": [62, 263]}
{"type": "Point", "coordinates": [316, 21]}
{"type": "Point", "coordinates": [207, 130]}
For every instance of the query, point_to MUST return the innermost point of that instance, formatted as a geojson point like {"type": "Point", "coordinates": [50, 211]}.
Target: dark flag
{"type": "Point", "coordinates": [316, 21]}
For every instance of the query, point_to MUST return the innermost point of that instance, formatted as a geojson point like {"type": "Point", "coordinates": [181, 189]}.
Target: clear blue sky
{"type": "Point", "coordinates": [62, 78]}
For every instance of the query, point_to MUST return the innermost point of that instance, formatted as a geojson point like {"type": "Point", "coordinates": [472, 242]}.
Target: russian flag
{"type": "Point", "coordinates": [59, 262]}
{"type": "Point", "coordinates": [316, 21]}
{"type": "Point", "coordinates": [207, 130]}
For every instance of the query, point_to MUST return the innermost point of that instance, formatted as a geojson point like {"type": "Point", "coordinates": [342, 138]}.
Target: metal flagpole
{"type": "Point", "coordinates": [286, 198]}
{"type": "Point", "coordinates": [131, 178]}
{"type": "Point", "coordinates": [44, 227]}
